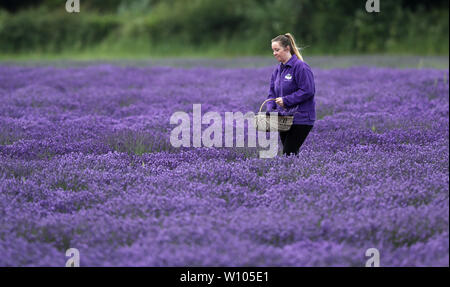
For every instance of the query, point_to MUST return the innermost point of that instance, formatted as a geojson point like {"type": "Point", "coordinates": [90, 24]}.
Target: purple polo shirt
{"type": "Point", "coordinates": [294, 82]}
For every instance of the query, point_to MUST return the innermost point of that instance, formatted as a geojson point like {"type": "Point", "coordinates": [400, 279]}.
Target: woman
{"type": "Point", "coordinates": [292, 86]}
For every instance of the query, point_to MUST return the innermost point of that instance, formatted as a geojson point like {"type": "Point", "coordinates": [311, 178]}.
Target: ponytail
{"type": "Point", "coordinates": [294, 49]}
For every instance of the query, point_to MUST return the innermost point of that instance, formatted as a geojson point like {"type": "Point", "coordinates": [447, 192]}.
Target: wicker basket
{"type": "Point", "coordinates": [264, 122]}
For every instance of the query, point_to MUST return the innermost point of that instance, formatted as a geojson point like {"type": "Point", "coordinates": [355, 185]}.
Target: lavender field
{"type": "Point", "coordinates": [86, 163]}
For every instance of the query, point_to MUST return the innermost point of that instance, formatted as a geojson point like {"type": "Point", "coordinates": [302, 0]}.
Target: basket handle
{"type": "Point", "coordinates": [260, 108]}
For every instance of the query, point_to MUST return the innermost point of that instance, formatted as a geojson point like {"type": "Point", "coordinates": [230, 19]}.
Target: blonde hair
{"type": "Point", "coordinates": [287, 40]}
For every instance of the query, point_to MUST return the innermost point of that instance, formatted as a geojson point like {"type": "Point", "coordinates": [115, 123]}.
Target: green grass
{"type": "Point", "coordinates": [220, 55]}
{"type": "Point", "coordinates": [141, 49]}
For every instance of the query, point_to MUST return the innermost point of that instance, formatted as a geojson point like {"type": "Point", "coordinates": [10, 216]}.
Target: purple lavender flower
{"type": "Point", "coordinates": [86, 163]}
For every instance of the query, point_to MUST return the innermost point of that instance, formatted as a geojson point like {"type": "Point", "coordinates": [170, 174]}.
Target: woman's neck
{"type": "Point", "coordinates": [290, 56]}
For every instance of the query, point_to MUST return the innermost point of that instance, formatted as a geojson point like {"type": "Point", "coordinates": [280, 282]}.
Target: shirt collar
{"type": "Point", "coordinates": [290, 62]}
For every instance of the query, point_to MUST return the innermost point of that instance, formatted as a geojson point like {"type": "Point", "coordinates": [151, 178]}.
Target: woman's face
{"type": "Point", "coordinates": [280, 53]}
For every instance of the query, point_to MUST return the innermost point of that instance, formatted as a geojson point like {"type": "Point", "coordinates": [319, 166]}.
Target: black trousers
{"type": "Point", "coordinates": [293, 139]}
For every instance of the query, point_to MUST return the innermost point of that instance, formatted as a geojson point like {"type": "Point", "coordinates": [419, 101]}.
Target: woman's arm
{"type": "Point", "coordinates": [271, 106]}
{"type": "Point", "coordinates": [306, 88]}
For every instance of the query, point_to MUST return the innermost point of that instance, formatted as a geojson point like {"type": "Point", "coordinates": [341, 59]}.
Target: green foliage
{"type": "Point", "coordinates": [53, 32]}
{"type": "Point", "coordinates": [233, 27]}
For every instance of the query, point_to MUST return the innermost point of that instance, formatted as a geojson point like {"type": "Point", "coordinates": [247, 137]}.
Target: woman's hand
{"type": "Point", "coordinates": [279, 101]}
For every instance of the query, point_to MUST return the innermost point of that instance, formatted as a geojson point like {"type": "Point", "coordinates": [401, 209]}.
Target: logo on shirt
{"type": "Point", "coordinates": [288, 77]}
